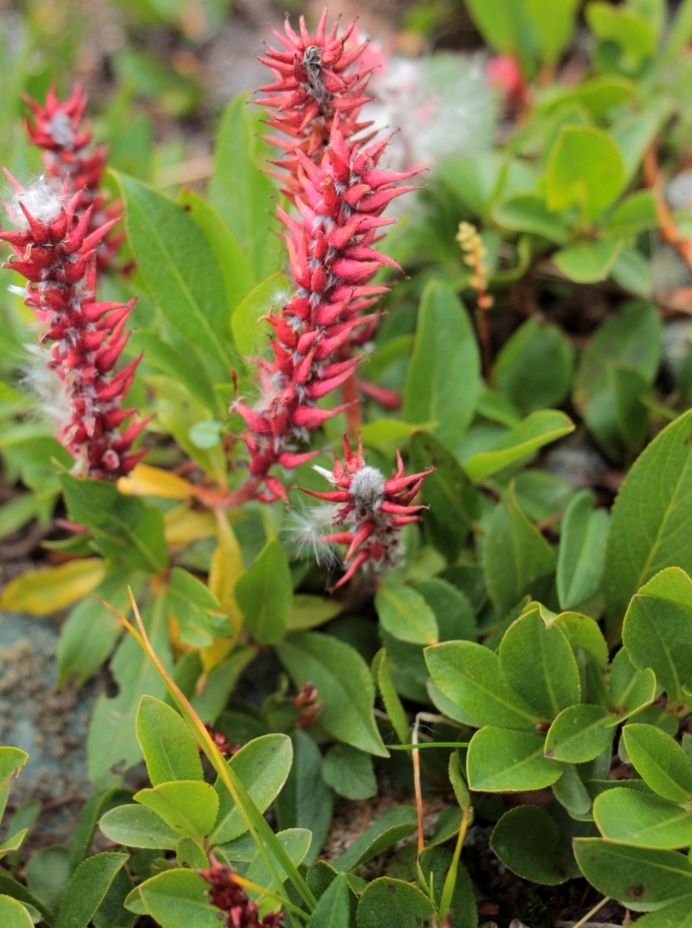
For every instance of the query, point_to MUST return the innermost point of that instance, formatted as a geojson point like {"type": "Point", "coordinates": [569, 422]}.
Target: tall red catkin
{"type": "Point", "coordinates": [65, 137]}
{"type": "Point", "coordinates": [56, 252]}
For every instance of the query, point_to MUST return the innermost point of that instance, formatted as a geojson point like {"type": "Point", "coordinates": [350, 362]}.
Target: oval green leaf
{"type": "Point", "coordinates": [500, 760]}
{"type": "Point", "coordinates": [405, 614]}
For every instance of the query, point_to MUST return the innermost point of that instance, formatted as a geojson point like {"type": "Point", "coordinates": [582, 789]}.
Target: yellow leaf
{"type": "Point", "coordinates": [153, 481]}
{"type": "Point", "coordinates": [183, 526]}
{"type": "Point", "coordinates": [226, 567]}
{"type": "Point", "coordinates": [40, 592]}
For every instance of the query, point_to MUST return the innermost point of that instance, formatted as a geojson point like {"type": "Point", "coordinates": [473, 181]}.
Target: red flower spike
{"type": "Point", "coordinates": [373, 509]}
{"type": "Point", "coordinates": [233, 901]}
{"type": "Point", "coordinates": [57, 258]}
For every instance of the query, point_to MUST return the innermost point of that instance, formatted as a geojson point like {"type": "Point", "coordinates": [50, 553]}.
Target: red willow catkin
{"type": "Point", "coordinates": [339, 194]}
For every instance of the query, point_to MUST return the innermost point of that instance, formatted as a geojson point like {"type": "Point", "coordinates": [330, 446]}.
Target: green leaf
{"type": "Point", "coordinates": [240, 191]}
{"type": "Point", "coordinates": [123, 527]}
{"type": "Point", "coordinates": [388, 903]}
{"type": "Point", "coordinates": [582, 549]}
{"type": "Point", "coordinates": [306, 801]}
{"type": "Point", "coordinates": [349, 772]}
{"type": "Point", "coordinates": [193, 605]}
{"type": "Point", "coordinates": [677, 915]}
{"type": "Point", "coordinates": [189, 807]}
{"type": "Point", "coordinates": [516, 557]}
{"type": "Point", "coordinates": [91, 631]}
{"type": "Point", "coordinates": [262, 765]}
{"type": "Point", "coordinates": [384, 832]}
{"type": "Point", "coordinates": [295, 842]}
{"type": "Point", "coordinates": [390, 697]}
{"type": "Point", "coordinates": [343, 682]}
{"type": "Point", "coordinates": [658, 632]}
{"type": "Point", "coordinates": [469, 675]}
{"type": "Point", "coordinates": [553, 25]}
{"type": "Point", "coordinates": [626, 28]}
{"type": "Point", "coordinates": [640, 878]}
{"type": "Point", "coordinates": [590, 261]}
{"type": "Point", "coordinates": [500, 760]}
{"type": "Point", "coordinates": [534, 367]}
{"type": "Point", "coordinates": [178, 265]}
{"type": "Point", "coordinates": [336, 906]}
{"type": "Point", "coordinates": [137, 826]}
{"type": "Point", "coordinates": [578, 734]}
{"type": "Point", "coordinates": [571, 792]}
{"type": "Point", "coordinates": [537, 662]}
{"type": "Point", "coordinates": [178, 899]}
{"type": "Point", "coordinates": [47, 875]}
{"type": "Point", "coordinates": [527, 840]}
{"type": "Point", "coordinates": [527, 212]}
{"type": "Point", "coordinates": [445, 342]}
{"type": "Point", "coordinates": [644, 821]}
{"type": "Point", "coordinates": [636, 213]}
{"type": "Point", "coordinates": [167, 744]}
{"type": "Point", "coordinates": [11, 762]}
{"type": "Point", "coordinates": [87, 888]}
{"type": "Point", "coordinates": [585, 169]}
{"type": "Point", "coordinates": [189, 853]}
{"type": "Point", "coordinates": [264, 594]}
{"type": "Point", "coordinates": [523, 440]}
{"type": "Point", "coordinates": [13, 914]}
{"type": "Point", "coordinates": [232, 260]}
{"type": "Point", "coordinates": [632, 271]}
{"type": "Point", "coordinates": [250, 333]}
{"type": "Point", "coordinates": [454, 503]}
{"type": "Point", "coordinates": [635, 132]}
{"type": "Point", "coordinates": [631, 339]}
{"type": "Point", "coordinates": [310, 611]}
{"type": "Point", "coordinates": [650, 518]}
{"type": "Point", "coordinates": [660, 761]}
{"type": "Point", "coordinates": [89, 815]}
{"type": "Point", "coordinates": [405, 614]}
{"type": "Point", "coordinates": [453, 611]}
{"type": "Point", "coordinates": [111, 743]}
{"type": "Point", "coordinates": [597, 95]}
{"type": "Point", "coordinates": [680, 32]}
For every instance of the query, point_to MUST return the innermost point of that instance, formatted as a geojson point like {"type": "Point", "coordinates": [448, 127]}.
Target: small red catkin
{"type": "Point", "coordinates": [369, 512]}
{"type": "Point", "coordinates": [230, 898]}
{"type": "Point", "coordinates": [55, 251]}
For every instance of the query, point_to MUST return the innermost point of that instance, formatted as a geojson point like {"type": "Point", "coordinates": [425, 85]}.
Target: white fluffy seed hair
{"type": "Point", "coordinates": [45, 387]}
{"type": "Point", "coordinates": [367, 487]}
{"type": "Point", "coordinates": [305, 528]}
{"type": "Point", "coordinates": [41, 199]}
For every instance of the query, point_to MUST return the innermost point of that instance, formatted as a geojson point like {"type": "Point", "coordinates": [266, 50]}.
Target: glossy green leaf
{"type": "Point", "coordinates": [538, 663]}
{"type": "Point", "coordinates": [137, 826]}
{"type": "Point", "coordinates": [516, 557]}
{"type": "Point", "coordinates": [469, 675]}
{"type": "Point", "coordinates": [189, 807]}
{"type": "Point", "coordinates": [189, 853]}
{"type": "Point", "coordinates": [445, 342]}
{"type": "Point", "coordinates": [240, 190]}
{"type": "Point", "coordinates": [500, 760]}
{"type": "Point", "coordinates": [640, 878]}
{"type": "Point", "coordinates": [233, 261]}
{"type": "Point", "coordinates": [405, 614]}
{"type": "Point", "coordinates": [178, 899]}
{"type": "Point", "coordinates": [578, 734]}
{"type": "Point", "coordinates": [123, 527]}
{"type": "Point", "coordinates": [454, 503]}
{"type": "Point", "coordinates": [250, 333]}
{"type": "Point", "coordinates": [295, 842]}
{"type": "Point", "coordinates": [453, 612]}
{"type": "Point", "coordinates": [660, 761]}
{"type": "Point", "coordinates": [627, 28]}
{"type": "Point", "coordinates": [13, 914]}
{"type": "Point", "coordinates": [630, 689]}
{"type": "Point", "coordinates": [553, 26]}
{"type": "Point", "coordinates": [534, 367]}
{"type": "Point", "coordinates": [262, 765]}
{"type": "Point", "coordinates": [383, 833]}
{"type": "Point", "coordinates": [195, 609]}
{"type": "Point", "coordinates": [390, 697]}
{"type": "Point", "coordinates": [585, 169]}
{"type": "Point", "coordinates": [657, 631]}
{"type": "Point", "coordinates": [87, 888]}
{"type": "Point", "coordinates": [527, 212]}
{"type": "Point", "coordinates": [388, 903]}
{"type": "Point", "coordinates": [264, 594]}
{"type": "Point", "coordinates": [633, 272]}
{"type": "Point", "coordinates": [343, 682]}
{"type": "Point", "coordinates": [310, 611]}
{"type": "Point", "coordinates": [536, 430]}
{"type": "Point", "coordinates": [178, 265]}
{"type": "Point", "coordinates": [111, 743]}
{"type": "Point", "coordinates": [597, 95]}
{"type": "Point", "coordinates": [11, 762]}
{"type": "Point", "coordinates": [590, 261]}
{"type": "Point", "coordinates": [649, 518]}
{"type": "Point", "coordinates": [582, 550]}
{"type": "Point", "coordinates": [349, 772]}
{"type": "Point", "coordinates": [91, 631]}
{"type": "Point", "coordinates": [636, 213]}
{"type": "Point", "coordinates": [571, 792]}
{"type": "Point", "coordinates": [335, 907]}
{"type": "Point", "coordinates": [643, 821]}
{"type": "Point", "coordinates": [527, 841]}
{"type": "Point", "coordinates": [676, 915]}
